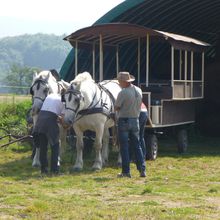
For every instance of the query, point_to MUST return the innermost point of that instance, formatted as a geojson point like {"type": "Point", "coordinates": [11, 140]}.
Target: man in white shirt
{"type": "Point", "coordinates": [47, 130]}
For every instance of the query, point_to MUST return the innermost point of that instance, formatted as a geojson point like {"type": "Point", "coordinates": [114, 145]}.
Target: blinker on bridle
{"type": "Point", "coordinates": [38, 82]}
{"type": "Point", "coordinates": [73, 91]}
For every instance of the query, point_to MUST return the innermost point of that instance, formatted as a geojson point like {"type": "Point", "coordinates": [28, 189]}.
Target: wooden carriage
{"type": "Point", "coordinates": [170, 89]}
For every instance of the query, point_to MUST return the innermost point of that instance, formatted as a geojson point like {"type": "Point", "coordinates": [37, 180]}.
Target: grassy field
{"type": "Point", "coordinates": [12, 99]}
{"type": "Point", "coordinates": [177, 187]}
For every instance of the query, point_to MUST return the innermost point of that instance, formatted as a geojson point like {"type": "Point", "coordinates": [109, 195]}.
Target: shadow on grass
{"type": "Point", "coordinates": [197, 146]}
{"type": "Point", "coordinates": [17, 169]}
{"type": "Point", "coordinates": [21, 168]}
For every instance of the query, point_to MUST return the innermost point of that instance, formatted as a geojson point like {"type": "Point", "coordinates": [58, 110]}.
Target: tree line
{"type": "Point", "coordinates": [20, 56]}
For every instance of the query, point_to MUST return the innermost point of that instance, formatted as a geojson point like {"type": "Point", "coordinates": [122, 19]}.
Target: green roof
{"type": "Point", "coordinates": [198, 19]}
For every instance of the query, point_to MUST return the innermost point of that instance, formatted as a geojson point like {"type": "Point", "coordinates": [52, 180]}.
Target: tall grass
{"type": "Point", "coordinates": [13, 117]}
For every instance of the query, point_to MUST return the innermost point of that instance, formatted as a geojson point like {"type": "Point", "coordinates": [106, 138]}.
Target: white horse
{"type": "Point", "coordinates": [89, 107]}
{"type": "Point", "coordinates": [43, 84]}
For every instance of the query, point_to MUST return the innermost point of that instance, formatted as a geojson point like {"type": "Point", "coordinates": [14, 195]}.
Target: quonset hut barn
{"type": "Point", "coordinates": [199, 19]}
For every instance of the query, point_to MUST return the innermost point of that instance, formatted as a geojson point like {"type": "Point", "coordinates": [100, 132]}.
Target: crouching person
{"type": "Point", "coordinates": [47, 130]}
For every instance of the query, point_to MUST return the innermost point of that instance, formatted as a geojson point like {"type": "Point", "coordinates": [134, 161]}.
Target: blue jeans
{"type": "Point", "coordinates": [142, 122]}
{"type": "Point", "coordinates": [128, 129]}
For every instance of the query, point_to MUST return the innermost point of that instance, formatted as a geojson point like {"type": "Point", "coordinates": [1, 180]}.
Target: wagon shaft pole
{"type": "Point", "coordinates": [8, 135]}
{"type": "Point", "coordinates": [19, 139]}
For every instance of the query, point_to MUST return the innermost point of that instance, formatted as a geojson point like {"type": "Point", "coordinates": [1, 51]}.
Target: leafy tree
{"type": "Point", "coordinates": [20, 77]}
{"type": "Point", "coordinates": [40, 50]}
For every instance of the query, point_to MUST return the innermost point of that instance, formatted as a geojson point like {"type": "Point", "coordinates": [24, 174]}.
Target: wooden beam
{"type": "Point", "coordinates": [76, 58]}
{"type": "Point", "coordinates": [147, 59]}
{"type": "Point", "coordinates": [139, 60]}
{"type": "Point", "coordinates": [100, 58]}
{"type": "Point", "coordinates": [93, 61]}
{"type": "Point", "coordinates": [117, 60]}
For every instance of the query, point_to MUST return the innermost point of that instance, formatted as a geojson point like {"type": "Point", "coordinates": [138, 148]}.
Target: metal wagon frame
{"type": "Point", "coordinates": [171, 102]}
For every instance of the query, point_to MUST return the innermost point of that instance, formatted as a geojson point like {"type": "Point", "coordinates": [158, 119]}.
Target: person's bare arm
{"type": "Point", "coordinates": [60, 120]}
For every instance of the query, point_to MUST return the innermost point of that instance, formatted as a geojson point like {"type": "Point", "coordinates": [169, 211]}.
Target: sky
{"type": "Point", "coordinates": [18, 17]}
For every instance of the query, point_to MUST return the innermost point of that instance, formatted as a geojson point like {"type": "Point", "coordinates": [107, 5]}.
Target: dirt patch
{"type": "Point", "coordinates": [214, 201]}
{"type": "Point", "coordinates": [2, 206]}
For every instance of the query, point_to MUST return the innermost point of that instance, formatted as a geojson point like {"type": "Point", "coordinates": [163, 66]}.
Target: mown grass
{"type": "Point", "coordinates": [177, 187]}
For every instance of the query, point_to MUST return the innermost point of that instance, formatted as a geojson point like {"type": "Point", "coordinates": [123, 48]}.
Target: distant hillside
{"type": "Point", "coordinates": [40, 50]}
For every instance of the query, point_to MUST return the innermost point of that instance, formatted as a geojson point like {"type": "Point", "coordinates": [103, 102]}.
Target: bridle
{"type": "Point", "coordinates": [93, 106]}
{"type": "Point", "coordinates": [38, 82]}
{"type": "Point", "coordinates": [47, 88]}
{"type": "Point", "coordinates": [73, 91]}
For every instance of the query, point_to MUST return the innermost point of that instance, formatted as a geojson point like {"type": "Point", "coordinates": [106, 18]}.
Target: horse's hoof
{"type": "Point", "coordinates": [119, 164]}
{"type": "Point", "coordinates": [75, 169]}
{"type": "Point", "coordinates": [96, 168]}
{"type": "Point", "coordinates": [36, 165]}
{"type": "Point", "coordinates": [105, 164]}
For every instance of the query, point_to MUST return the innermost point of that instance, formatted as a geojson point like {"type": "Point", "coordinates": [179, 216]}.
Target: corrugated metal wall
{"type": "Point", "coordinates": [195, 18]}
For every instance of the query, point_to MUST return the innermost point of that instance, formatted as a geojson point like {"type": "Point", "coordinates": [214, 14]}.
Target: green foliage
{"type": "Point", "coordinates": [13, 117]}
{"type": "Point", "coordinates": [42, 51]}
{"type": "Point", "coordinates": [19, 77]}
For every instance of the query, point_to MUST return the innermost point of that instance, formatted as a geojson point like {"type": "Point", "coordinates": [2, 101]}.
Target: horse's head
{"type": "Point", "coordinates": [76, 97]}
{"type": "Point", "coordinates": [73, 99]}
{"type": "Point", "coordinates": [42, 84]}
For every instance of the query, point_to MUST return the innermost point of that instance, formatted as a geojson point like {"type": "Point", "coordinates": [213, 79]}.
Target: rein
{"type": "Point", "coordinates": [112, 99]}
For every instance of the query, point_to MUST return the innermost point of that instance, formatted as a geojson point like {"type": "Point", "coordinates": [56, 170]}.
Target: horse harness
{"type": "Point", "coordinates": [93, 107]}
{"type": "Point", "coordinates": [47, 89]}
{"type": "Point", "coordinates": [73, 91]}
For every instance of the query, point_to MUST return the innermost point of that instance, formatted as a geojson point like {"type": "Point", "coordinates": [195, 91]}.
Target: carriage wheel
{"type": "Point", "coordinates": [151, 147]}
{"type": "Point", "coordinates": [182, 139]}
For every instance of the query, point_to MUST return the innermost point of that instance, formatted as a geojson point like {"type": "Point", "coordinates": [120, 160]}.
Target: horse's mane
{"type": "Point", "coordinates": [43, 73]}
{"type": "Point", "coordinates": [44, 76]}
{"type": "Point", "coordinates": [81, 77]}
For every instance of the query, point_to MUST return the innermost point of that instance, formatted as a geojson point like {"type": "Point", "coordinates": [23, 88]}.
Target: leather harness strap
{"type": "Point", "coordinates": [103, 108]}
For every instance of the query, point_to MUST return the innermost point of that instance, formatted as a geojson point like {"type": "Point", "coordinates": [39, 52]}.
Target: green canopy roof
{"type": "Point", "coordinates": [198, 19]}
